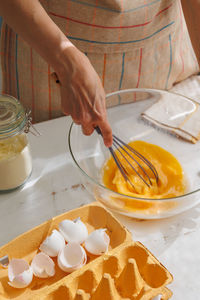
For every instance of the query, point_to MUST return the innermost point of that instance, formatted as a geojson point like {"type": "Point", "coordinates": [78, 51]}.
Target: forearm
{"type": "Point", "coordinates": [82, 94]}
{"type": "Point", "coordinates": [29, 19]}
{"type": "Point", "coordinates": [191, 10]}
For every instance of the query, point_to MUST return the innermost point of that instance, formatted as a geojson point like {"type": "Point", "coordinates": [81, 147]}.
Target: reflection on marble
{"type": "Point", "coordinates": [55, 187]}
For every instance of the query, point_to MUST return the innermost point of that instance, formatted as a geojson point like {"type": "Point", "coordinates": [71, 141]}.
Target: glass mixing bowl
{"type": "Point", "coordinates": [90, 154]}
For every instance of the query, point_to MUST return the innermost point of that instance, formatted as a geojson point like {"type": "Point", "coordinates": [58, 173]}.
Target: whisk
{"type": "Point", "coordinates": [125, 150]}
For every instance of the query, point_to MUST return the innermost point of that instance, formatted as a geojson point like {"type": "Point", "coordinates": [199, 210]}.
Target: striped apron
{"type": "Point", "coordinates": [131, 44]}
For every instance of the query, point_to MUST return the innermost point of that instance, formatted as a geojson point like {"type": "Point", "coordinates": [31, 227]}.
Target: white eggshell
{"type": "Point", "coordinates": [157, 297]}
{"type": "Point", "coordinates": [43, 266]}
{"type": "Point", "coordinates": [72, 257]}
{"type": "Point", "coordinates": [97, 242]}
{"type": "Point", "coordinates": [20, 273]}
{"type": "Point", "coordinates": [53, 244]}
{"type": "Point", "coordinates": [73, 231]}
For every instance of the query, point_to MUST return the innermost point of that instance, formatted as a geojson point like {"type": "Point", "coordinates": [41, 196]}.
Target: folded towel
{"type": "Point", "coordinates": [189, 87]}
{"type": "Point", "coordinates": [178, 116]}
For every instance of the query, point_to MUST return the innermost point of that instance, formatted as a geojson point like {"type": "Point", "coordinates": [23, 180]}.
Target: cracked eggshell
{"type": "Point", "coordinates": [72, 257]}
{"type": "Point", "coordinates": [157, 297]}
{"type": "Point", "coordinates": [43, 266]}
{"type": "Point", "coordinates": [73, 231]}
{"type": "Point", "coordinates": [97, 242]}
{"type": "Point", "coordinates": [20, 273]}
{"type": "Point", "coordinates": [53, 244]}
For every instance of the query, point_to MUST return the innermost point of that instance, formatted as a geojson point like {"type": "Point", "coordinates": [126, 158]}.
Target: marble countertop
{"type": "Point", "coordinates": [54, 187]}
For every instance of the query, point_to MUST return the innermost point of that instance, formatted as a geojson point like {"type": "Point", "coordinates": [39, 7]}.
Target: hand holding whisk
{"type": "Point", "coordinates": [127, 153]}
{"type": "Point", "coordinates": [132, 157]}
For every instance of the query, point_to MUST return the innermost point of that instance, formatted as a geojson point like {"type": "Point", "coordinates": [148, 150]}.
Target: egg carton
{"type": "Point", "coordinates": [127, 271]}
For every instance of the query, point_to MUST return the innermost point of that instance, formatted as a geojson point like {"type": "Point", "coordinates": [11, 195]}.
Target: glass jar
{"type": "Point", "coordinates": [15, 157]}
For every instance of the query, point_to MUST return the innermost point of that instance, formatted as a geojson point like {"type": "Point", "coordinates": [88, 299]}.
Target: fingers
{"type": "Point", "coordinates": [89, 123]}
{"type": "Point", "coordinates": [87, 130]}
{"type": "Point", "coordinates": [89, 119]}
{"type": "Point", "coordinates": [105, 130]}
{"type": "Point", "coordinates": [106, 133]}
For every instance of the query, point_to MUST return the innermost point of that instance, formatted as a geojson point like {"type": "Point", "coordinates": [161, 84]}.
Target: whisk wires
{"type": "Point", "coordinates": [119, 144]}
{"type": "Point", "coordinates": [126, 153]}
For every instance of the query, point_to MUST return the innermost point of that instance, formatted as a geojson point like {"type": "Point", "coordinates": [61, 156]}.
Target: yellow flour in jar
{"type": "Point", "coordinates": [11, 146]}
{"type": "Point", "coordinates": [15, 162]}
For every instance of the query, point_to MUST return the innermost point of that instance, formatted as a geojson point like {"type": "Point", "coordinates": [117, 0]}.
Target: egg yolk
{"type": "Point", "coordinates": [171, 181]}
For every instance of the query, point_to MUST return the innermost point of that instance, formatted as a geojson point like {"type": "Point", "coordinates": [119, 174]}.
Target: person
{"type": "Point", "coordinates": [94, 47]}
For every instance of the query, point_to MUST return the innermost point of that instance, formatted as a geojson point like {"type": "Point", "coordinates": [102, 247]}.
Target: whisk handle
{"type": "Point", "coordinates": [98, 130]}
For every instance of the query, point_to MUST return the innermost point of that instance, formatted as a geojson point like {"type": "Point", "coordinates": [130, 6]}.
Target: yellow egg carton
{"type": "Point", "coordinates": [127, 271]}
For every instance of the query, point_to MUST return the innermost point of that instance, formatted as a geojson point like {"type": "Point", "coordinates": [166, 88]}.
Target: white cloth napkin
{"type": "Point", "coordinates": [179, 117]}
{"type": "Point", "coordinates": [189, 87]}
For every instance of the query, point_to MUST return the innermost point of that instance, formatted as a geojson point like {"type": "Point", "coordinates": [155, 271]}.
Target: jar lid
{"type": "Point", "coordinates": [12, 116]}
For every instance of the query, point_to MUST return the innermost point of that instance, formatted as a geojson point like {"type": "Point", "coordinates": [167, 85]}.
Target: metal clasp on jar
{"type": "Point", "coordinates": [29, 126]}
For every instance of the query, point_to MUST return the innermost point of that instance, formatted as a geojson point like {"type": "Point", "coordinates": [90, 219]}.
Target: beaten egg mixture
{"type": "Point", "coordinates": [171, 181]}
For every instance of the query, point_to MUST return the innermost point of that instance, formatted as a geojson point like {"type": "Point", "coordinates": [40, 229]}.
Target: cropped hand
{"type": "Point", "coordinates": [82, 94]}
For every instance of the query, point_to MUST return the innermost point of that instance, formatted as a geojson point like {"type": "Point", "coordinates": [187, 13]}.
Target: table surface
{"type": "Point", "coordinates": [55, 187]}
